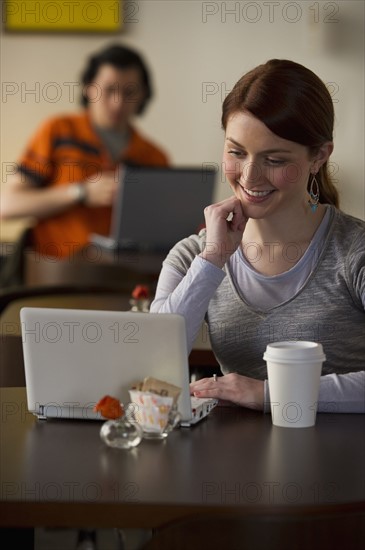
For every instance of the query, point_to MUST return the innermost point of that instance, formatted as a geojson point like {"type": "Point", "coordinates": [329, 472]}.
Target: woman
{"type": "Point", "coordinates": [278, 260]}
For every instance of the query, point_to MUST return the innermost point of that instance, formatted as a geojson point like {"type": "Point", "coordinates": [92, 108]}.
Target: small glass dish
{"type": "Point", "coordinates": [121, 433]}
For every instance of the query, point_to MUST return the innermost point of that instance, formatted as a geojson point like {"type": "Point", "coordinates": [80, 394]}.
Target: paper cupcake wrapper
{"type": "Point", "coordinates": [151, 411]}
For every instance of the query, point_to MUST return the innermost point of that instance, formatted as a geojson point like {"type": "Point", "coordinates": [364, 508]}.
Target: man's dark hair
{"type": "Point", "coordinates": [119, 57]}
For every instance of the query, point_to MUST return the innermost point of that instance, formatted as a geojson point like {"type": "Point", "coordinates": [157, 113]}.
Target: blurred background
{"type": "Point", "coordinates": [196, 52]}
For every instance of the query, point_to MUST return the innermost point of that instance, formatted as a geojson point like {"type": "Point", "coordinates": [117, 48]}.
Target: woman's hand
{"type": "Point", "coordinates": [232, 387]}
{"type": "Point", "coordinates": [225, 222]}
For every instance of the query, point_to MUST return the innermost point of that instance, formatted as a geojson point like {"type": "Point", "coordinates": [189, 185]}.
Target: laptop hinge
{"type": "Point", "coordinates": [40, 415]}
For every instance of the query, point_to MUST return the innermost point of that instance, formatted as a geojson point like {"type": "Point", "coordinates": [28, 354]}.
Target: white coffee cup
{"type": "Point", "coordinates": [294, 372]}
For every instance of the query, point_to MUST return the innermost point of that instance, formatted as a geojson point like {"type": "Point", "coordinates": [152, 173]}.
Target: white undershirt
{"type": "Point", "coordinates": [265, 292]}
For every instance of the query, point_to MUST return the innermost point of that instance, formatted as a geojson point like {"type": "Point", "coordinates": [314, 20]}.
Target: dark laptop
{"type": "Point", "coordinates": [157, 207]}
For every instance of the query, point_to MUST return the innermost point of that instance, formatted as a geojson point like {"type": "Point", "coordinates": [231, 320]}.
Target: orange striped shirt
{"type": "Point", "coordinates": [67, 150]}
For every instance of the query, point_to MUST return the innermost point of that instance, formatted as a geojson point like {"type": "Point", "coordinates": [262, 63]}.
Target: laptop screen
{"type": "Point", "coordinates": [157, 207]}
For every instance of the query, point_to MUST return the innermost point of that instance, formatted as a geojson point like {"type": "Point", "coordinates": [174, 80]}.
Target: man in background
{"type": "Point", "coordinates": [67, 178]}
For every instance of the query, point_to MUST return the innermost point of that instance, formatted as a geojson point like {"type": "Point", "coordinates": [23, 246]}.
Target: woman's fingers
{"type": "Point", "coordinates": [225, 223]}
{"type": "Point", "coordinates": [232, 387]}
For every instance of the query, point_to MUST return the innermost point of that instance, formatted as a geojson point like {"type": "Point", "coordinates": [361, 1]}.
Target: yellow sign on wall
{"type": "Point", "coordinates": [63, 15]}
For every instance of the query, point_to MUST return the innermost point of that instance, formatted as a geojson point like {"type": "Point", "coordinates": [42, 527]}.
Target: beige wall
{"type": "Point", "coordinates": [197, 50]}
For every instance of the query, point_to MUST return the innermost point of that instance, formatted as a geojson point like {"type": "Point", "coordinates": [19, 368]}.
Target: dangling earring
{"type": "Point", "coordinates": [313, 194]}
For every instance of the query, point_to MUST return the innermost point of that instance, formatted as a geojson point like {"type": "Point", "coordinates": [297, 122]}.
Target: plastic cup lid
{"type": "Point", "coordinates": [294, 350]}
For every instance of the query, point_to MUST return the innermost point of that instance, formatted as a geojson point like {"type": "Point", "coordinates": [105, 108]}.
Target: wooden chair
{"type": "Point", "coordinates": [65, 296]}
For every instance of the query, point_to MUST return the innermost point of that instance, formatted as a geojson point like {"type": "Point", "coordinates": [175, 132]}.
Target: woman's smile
{"type": "Point", "coordinates": [258, 194]}
{"type": "Point", "coordinates": [253, 196]}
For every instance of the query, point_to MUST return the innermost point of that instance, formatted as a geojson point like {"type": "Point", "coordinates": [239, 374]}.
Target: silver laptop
{"type": "Point", "coordinates": [157, 207]}
{"type": "Point", "coordinates": [73, 357]}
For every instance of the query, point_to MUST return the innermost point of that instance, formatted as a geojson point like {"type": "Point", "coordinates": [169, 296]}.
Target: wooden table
{"type": "Point", "coordinates": [60, 473]}
{"type": "Point", "coordinates": [92, 265]}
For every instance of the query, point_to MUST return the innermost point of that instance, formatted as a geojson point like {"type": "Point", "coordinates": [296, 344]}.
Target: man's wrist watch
{"type": "Point", "coordinates": [79, 192]}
